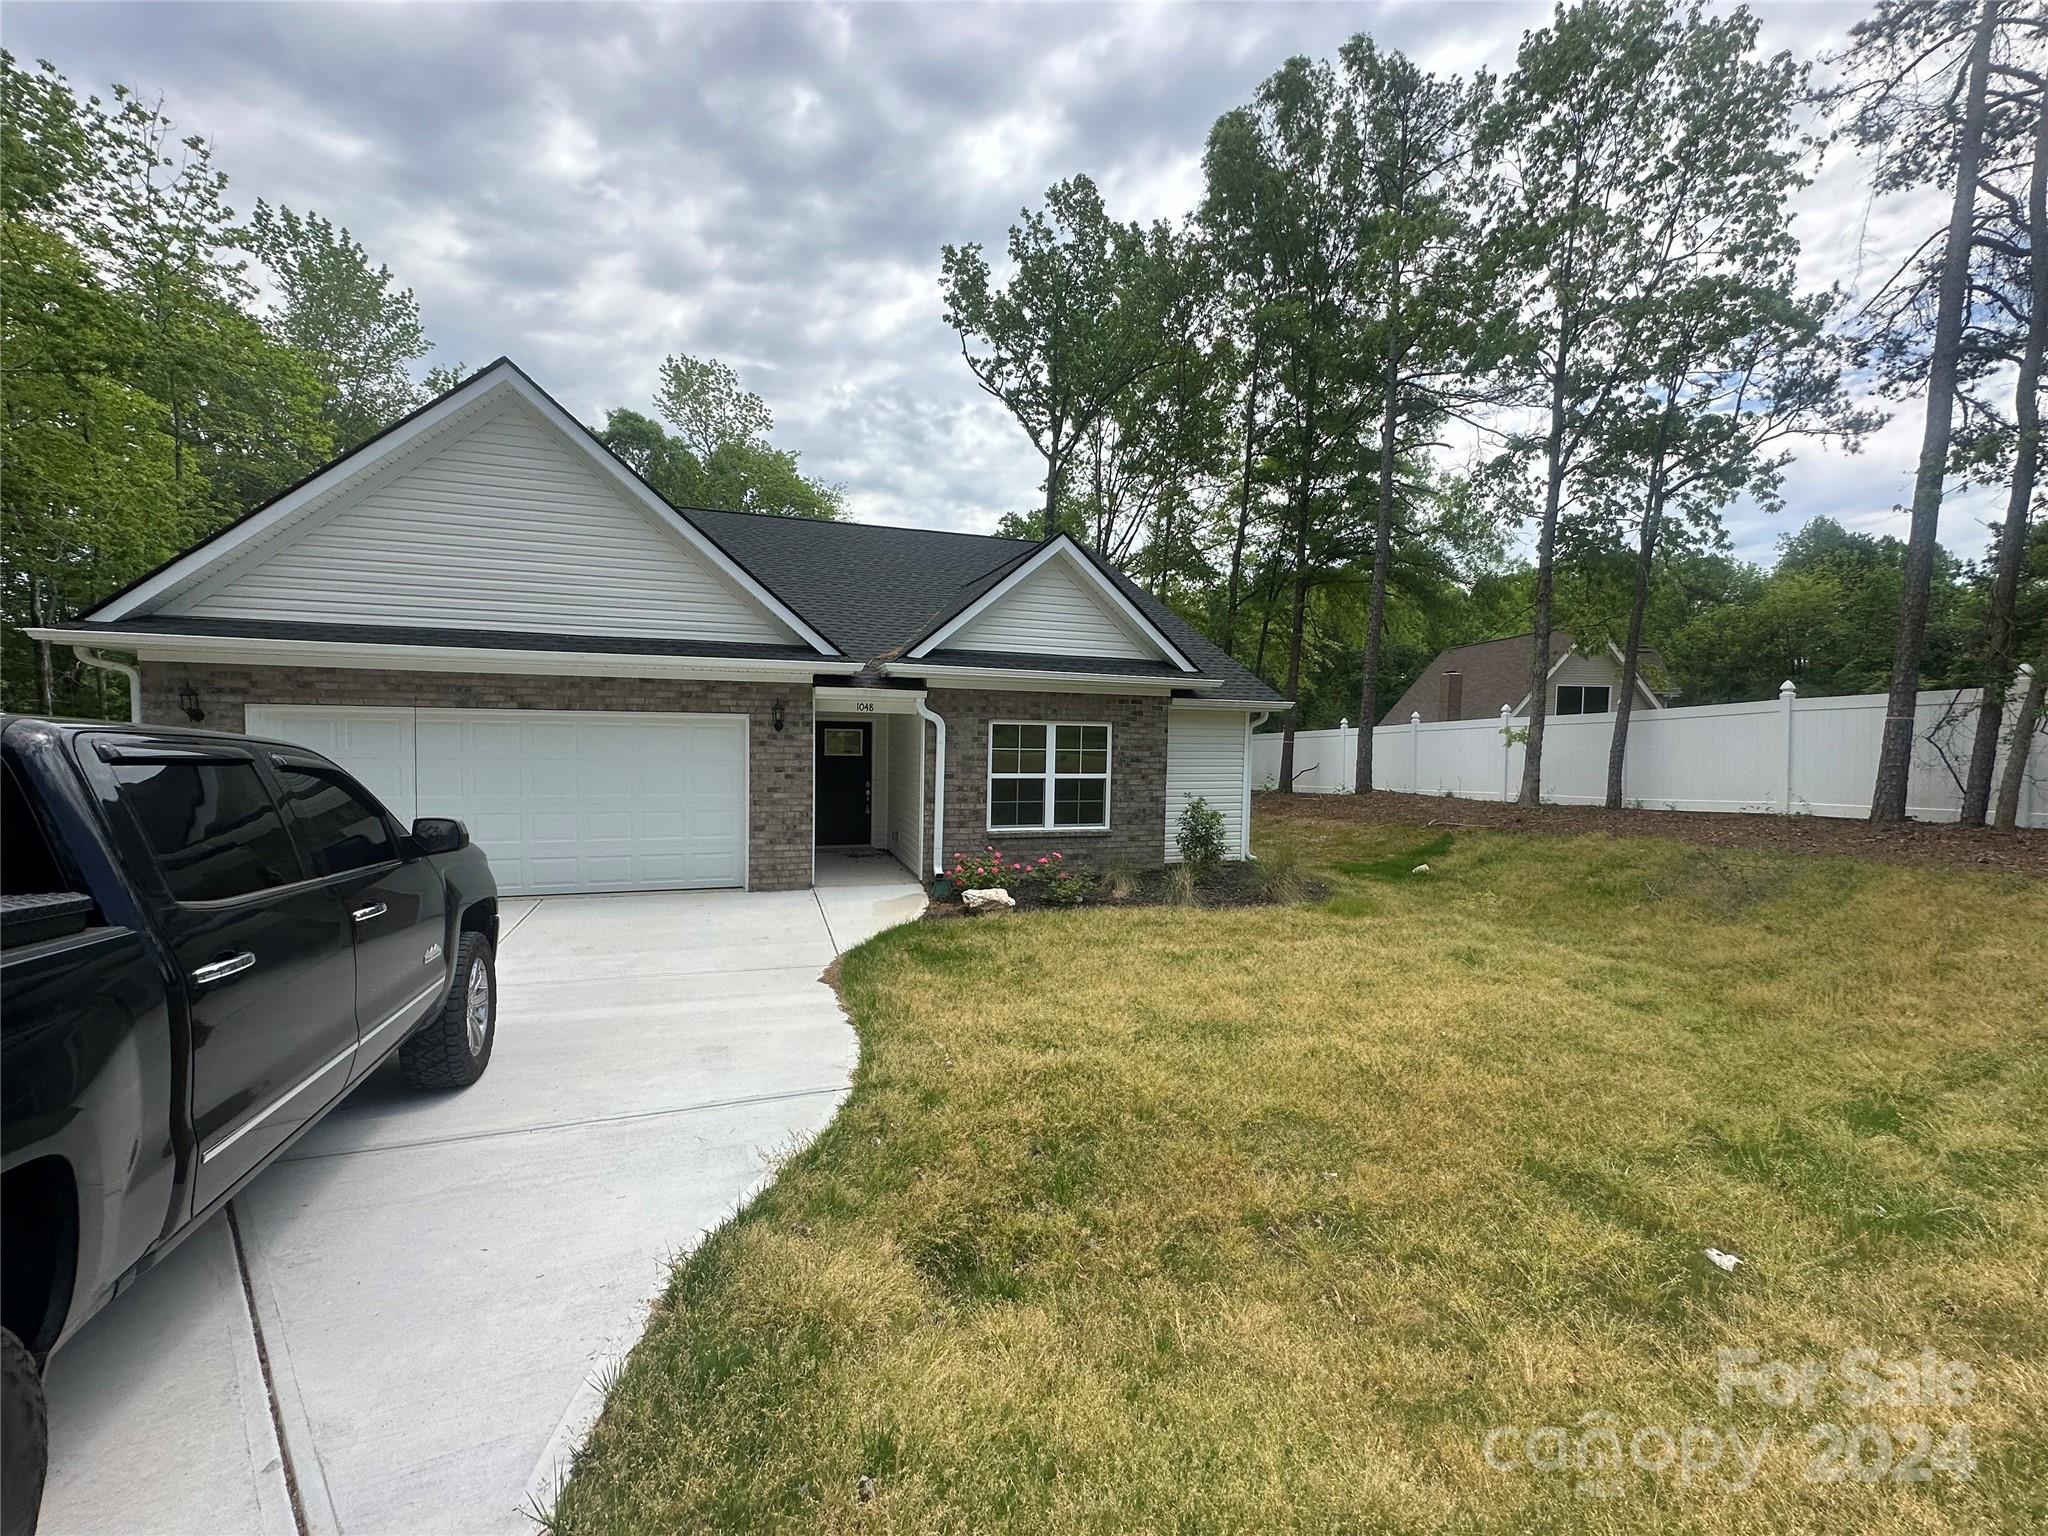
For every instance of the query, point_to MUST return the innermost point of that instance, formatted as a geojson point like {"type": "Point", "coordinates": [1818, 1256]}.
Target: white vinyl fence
{"type": "Point", "coordinates": [1815, 757]}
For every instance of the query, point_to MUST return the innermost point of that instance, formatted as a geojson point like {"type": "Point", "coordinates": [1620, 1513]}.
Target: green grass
{"type": "Point", "coordinates": [1260, 1219]}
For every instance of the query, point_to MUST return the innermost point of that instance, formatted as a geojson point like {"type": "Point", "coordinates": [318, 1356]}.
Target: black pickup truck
{"type": "Point", "coordinates": [205, 942]}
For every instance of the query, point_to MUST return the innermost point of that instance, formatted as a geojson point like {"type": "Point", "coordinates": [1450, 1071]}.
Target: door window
{"type": "Point", "coordinates": [212, 827]}
{"type": "Point", "coordinates": [341, 829]}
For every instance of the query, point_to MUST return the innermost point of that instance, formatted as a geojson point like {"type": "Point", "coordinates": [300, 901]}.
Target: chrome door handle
{"type": "Point", "coordinates": [219, 970]}
{"type": "Point", "coordinates": [364, 914]}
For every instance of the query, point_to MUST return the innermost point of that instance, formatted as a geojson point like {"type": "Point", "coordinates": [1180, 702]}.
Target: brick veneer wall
{"type": "Point", "coordinates": [779, 762]}
{"type": "Point", "coordinates": [1137, 772]}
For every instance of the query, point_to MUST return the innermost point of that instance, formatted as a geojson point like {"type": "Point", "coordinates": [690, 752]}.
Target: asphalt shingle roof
{"type": "Point", "coordinates": [875, 590]}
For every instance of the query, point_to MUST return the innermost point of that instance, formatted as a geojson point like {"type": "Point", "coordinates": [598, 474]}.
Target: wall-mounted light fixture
{"type": "Point", "coordinates": [188, 700]}
{"type": "Point", "coordinates": [775, 718]}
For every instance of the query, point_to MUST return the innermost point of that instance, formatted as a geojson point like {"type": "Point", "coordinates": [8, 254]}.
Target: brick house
{"type": "Point", "coordinates": [483, 614]}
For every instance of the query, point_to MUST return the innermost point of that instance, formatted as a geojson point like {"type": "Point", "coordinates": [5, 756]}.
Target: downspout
{"type": "Point", "coordinates": [93, 658]}
{"type": "Point", "coordinates": [938, 788]}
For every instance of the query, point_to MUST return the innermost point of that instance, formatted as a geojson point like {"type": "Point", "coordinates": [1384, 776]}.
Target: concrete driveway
{"type": "Point", "coordinates": [439, 1284]}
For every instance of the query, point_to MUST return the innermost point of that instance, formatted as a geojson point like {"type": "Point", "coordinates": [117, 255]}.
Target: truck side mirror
{"type": "Point", "coordinates": [440, 834]}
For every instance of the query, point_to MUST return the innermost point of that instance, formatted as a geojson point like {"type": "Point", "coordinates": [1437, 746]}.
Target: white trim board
{"type": "Point", "coordinates": [249, 651]}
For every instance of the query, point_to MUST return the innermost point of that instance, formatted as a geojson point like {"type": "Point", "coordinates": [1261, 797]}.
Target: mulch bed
{"type": "Point", "coordinates": [1229, 885]}
{"type": "Point", "coordinates": [1914, 842]}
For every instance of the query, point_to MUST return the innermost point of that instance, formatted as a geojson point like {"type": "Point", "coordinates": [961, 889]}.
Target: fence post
{"type": "Point", "coordinates": [1415, 752]}
{"type": "Point", "coordinates": [1507, 750]}
{"type": "Point", "coordinates": [1786, 694]}
{"type": "Point", "coordinates": [1346, 759]}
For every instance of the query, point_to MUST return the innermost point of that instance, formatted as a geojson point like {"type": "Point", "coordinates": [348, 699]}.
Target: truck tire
{"type": "Point", "coordinates": [453, 1047]}
{"type": "Point", "coordinates": [24, 1438]}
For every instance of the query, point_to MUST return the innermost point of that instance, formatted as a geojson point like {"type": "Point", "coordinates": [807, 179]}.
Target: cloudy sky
{"type": "Point", "coordinates": [588, 188]}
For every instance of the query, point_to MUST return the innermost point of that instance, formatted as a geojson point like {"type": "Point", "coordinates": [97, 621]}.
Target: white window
{"type": "Point", "coordinates": [1582, 699]}
{"type": "Point", "coordinates": [1045, 778]}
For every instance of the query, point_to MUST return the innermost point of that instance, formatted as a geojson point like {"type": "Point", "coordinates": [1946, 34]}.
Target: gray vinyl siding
{"type": "Point", "coordinates": [1598, 670]}
{"type": "Point", "coordinates": [1051, 613]}
{"type": "Point", "coordinates": [502, 526]}
{"type": "Point", "coordinates": [1207, 754]}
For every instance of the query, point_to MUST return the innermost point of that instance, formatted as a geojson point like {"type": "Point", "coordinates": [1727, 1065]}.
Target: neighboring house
{"type": "Point", "coordinates": [1472, 682]}
{"type": "Point", "coordinates": [484, 614]}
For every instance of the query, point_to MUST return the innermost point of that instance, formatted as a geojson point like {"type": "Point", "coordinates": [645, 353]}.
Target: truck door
{"type": "Point", "coordinates": [393, 895]}
{"type": "Point", "coordinates": [267, 953]}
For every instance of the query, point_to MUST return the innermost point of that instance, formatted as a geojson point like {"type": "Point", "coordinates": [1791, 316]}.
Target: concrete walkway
{"type": "Point", "coordinates": [440, 1283]}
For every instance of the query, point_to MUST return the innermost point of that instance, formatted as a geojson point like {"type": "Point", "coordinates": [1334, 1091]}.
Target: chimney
{"type": "Point", "coordinates": [1450, 696]}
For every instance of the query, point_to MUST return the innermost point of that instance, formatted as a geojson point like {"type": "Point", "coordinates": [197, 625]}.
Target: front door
{"type": "Point", "coordinates": [845, 783]}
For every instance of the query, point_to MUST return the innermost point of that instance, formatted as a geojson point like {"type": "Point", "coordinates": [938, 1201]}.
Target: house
{"type": "Point", "coordinates": [1473, 682]}
{"type": "Point", "coordinates": [484, 614]}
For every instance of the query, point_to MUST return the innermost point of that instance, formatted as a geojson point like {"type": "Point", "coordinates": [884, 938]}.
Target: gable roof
{"type": "Point", "coordinates": [1496, 675]}
{"type": "Point", "coordinates": [417, 431]}
{"type": "Point", "coordinates": [1095, 582]}
{"type": "Point", "coordinates": [909, 581]}
{"type": "Point", "coordinates": [864, 592]}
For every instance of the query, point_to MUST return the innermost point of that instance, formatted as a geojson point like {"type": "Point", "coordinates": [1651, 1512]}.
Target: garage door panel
{"type": "Point", "coordinates": [560, 802]}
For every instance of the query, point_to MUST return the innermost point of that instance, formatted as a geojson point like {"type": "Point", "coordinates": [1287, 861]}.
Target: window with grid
{"type": "Point", "coordinates": [1044, 778]}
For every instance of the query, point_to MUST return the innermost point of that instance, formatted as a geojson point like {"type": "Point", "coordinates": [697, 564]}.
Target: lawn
{"type": "Point", "coordinates": [1264, 1219]}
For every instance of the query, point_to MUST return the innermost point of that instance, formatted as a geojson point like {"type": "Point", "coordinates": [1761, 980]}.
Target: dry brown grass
{"type": "Point", "coordinates": [1259, 1219]}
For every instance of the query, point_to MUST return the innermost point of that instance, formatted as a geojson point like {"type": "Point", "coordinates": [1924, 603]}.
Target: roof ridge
{"type": "Point", "coordinates": [848, 522]}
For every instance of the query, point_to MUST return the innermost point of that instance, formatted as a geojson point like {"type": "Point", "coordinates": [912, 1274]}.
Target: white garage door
{"type": "Point", "coordinates": [561, 801]}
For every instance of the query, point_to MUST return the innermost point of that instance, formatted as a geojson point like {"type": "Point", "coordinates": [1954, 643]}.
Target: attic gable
{"type": "Point", "coordinates": [488, 509]}
{"type": "Point", "coordinates": [1055, 603]}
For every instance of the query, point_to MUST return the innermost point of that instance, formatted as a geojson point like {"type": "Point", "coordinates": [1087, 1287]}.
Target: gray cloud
{"type": "Point", "coordinates": [589, 188]}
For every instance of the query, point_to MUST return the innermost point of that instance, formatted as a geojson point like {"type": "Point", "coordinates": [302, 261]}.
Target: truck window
{"type": "Point", "coordinates": [342, 830]}
{"type": "Point", "coordinates": [213, 828]}
{"type": "Point", "coordinates": [26, 866]}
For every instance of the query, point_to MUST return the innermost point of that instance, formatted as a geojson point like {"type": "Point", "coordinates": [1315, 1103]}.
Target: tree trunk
{"type": "Point", "coordinates": [2022, 746]}
{"type": "Point", "coordinates": [1631, 656]}
{"type": "Point", "coordinates": [46, 673]}
{"type": "Point", "coordinates": [1382, 552]}
{"type": "Point", "coordinates": [1639, 603]}
{"type": "Point", "coordinates": [1895, 750]}
{"type": "Point", "coordinates": [1244, 509]}
{"type": "Point", "coordinates": [1546, 559]}
{"type": "Point", "coordinates": [1303, 500]}
{"type": "Point", "coordinates": [1999, 660]}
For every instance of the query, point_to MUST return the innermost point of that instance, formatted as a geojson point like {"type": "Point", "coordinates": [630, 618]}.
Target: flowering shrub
{"type": "Point", "coordinates": [1048, 877]}
{"type": "Point", "coordinates": [984, 871]}
{"type": "Point", "coordinates": [1060, 884]}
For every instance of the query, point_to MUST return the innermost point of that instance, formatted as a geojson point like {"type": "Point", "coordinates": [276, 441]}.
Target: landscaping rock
{"type": "Point", "coordinates": [986, 903]}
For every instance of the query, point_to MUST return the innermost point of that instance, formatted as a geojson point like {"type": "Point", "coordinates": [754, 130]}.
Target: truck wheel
{"type": "Point", "coordinates": [453, 1047]}
{"type": "Point", "coordinates": [24, 1438]}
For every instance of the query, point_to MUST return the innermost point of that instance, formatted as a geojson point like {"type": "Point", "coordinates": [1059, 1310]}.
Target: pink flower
{"type": "Point", "coordinates": [1043, 859]}
{"type": "Point", "coordinates": [1059, 855]}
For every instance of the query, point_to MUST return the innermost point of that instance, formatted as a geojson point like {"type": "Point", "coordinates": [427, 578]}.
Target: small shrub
{"type": "Point", "coordinates": [1059, 884]}
{"type": "Point", "coordinates": [1179, 889]}
{"type": "Point", "coordinates": [1200, 837]}
{"type": "Point", "coordinates": [1281, 880]}
{"type": "Point", "coordinates": [1120, 882]}
{"type": "Point", "coordinates": [985, 871]}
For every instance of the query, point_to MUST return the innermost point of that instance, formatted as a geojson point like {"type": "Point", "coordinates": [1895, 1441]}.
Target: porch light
{"type": "Point", "coordinates": [775, 718]}
{"type": "Point", "coordinates": [188, 700]}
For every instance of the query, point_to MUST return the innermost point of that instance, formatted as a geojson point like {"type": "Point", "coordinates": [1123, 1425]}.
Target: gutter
{"type": "Point", "coordinates": [93, 658]}
{"type": "Point", "coordinates": [938, 788]}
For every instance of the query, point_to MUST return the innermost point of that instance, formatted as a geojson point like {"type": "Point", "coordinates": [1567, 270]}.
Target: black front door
{"type": "Point", "coordinates": [845, 782]}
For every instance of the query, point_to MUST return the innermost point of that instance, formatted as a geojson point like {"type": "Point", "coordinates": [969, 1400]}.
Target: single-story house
{"type": "Point", "coordinates": [484, 614]}
{"type": "Point", "coordinates": [1473, 682]}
